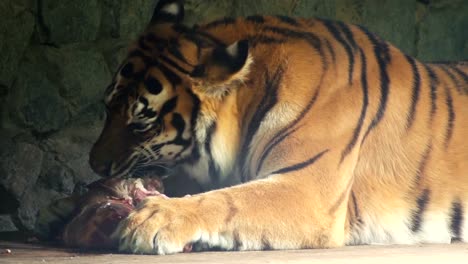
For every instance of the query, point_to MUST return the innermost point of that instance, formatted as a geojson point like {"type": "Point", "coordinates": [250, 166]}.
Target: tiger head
{"type": "Point", "coordinates": [153, 102]}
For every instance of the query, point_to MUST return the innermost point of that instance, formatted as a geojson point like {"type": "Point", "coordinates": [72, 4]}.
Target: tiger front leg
{"type": "Point", "coordinates": [281, 212]}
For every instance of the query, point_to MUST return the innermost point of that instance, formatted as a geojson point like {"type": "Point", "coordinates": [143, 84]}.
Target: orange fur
{"type": "Point", "coordinates": [322, 155]}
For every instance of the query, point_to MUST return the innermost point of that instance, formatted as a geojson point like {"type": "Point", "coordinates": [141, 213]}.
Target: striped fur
{"type": "Point", "coordinates": [328, 135]}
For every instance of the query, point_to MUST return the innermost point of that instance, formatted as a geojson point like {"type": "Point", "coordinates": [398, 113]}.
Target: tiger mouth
{"type": "Point", "coordinates": [156, 170]}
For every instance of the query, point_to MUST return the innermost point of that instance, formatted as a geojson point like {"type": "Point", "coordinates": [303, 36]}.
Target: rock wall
{"type": "Point", "coordinates": [57, 56]}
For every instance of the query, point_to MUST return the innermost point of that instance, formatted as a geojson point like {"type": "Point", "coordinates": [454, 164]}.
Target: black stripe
{"type": "Point", "coordinates": [382, 55]}
{"type": "Point", "coordinates": [456, 219]}
{"type": "Point", "coordinates": [232, 209]}
{"type": "Point", "coordinates": [159, 43]}
{"type": "Point", "coordinates": [433, 83]}
{"type": "Point", "coordinates": [331, 50]}
{"type": "Point", "coordinates": [333, 29]}
{"type": "Point", "coordinates": [226, 21]}
{"type": "Point", "coordinates": [148, 113]}
{"type": "Point", "coordinates": [315, 43]}
{"type": "Point", "coordinates": [288, 20]}
{"type": "Point", "coordinates": [341, 198]}
{"type": "Point", "coordinates": [194, 39]}
{"type": "Point", "coordinates": [236, 241]}
{"type": "Point", "coordinates": [281, 135]}
{"type": "Point", "coordinates": [266, 245]}
{"type": "Point", "coordinates": [200, 40]}
{"type": "Point", "coordinates": [421, 204]}
{"type": "Point", "coordinates": [174, 65]}
{"type": "Point", "coordinates": [173, 78]}
{"type": "Point", "coordinates": [348, 34]}
{"type": "Point", "coordinates": [209, 37]}
{"type": "Point", "coordinates": [451, 117]}
{"type": "Point", "coordinates": [255, 19]}
{"type": "Point", "coordinates": [178, 123]}
{"type": "Point", "coordinates": [168, 107]}
{"type": "Point", "coordinates": [151, 37]}
{"type": "Point", "coordinates": [452, 77]}
{"type": "Point", "coordinates": [365, 103]}
{"type": "Point", "coordinates": [462, 74]}
{"type": "Point", "coordinates": [350, 39]}
{"type": "Point", "coordinates": [183, 29]}
{"type": "Point", "coordinates": [266, 104]}
{"type": "Point", "coordinates": [415, 94]}
{"type": "Point", "coordinates": [213, 168]}
{"type": "Point", "coordinates": [357, 214]}
{"type": "Point", "coordinates": [195, 109]}
{"type": "Point", "coordinates": [263, 39]}
{"type": "Point", "coordinates": [138, 53]}
{"type": "Point", "coordinates": [311, 38]}
{"type": "Point", "coordinates": [422, 165]}
{"type": "Point", "coordinates": [174, 49]}
{"type": "Point", "coordinates": [301, 165]}
{"type": "Point", "coordinates": [141, 127]}
{"type": "Point", "coordinates": [213, 171]}
{"type": "Point", "coordinates": [195, 155]}
{"type": "Point", "coordinates": [271, 145]}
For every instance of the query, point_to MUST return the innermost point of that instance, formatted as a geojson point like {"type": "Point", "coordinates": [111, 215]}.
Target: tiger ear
{"type": "Point", "coordinates": [223, 66]}
{"type": "Point", "coordinates": [168, 11]}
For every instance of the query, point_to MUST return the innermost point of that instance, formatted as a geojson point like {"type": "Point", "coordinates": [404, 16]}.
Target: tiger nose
{"type": "Point", "coordinates": [101, 168]}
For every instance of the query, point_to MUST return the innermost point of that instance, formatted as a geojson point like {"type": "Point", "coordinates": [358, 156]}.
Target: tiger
{"type": "Point", "coordinates": [302, 133]}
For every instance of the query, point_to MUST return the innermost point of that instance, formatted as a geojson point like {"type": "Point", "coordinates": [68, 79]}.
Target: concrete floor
{"type": "Point", "coordinates": [424, 254]}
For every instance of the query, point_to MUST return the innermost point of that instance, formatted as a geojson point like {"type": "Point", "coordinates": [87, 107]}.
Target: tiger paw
{"type": "Point", "coordinates": [160, 226]}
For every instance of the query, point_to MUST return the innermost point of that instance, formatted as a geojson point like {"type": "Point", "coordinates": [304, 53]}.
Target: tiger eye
{"type": "Point", "coordinates": [153, 86]}
{"type": "Point", "coordinates": [127, 70]}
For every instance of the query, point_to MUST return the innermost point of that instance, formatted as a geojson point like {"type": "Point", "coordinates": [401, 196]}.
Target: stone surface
{"type": "Point", "coordinates": [83, 78]}
{"type": "Point", "coordinates": [35, 176]}
{"type": "Point", "coordinates": [267, 7]}
{"type": "Point", "coordinates": [30, 204]}
{"type": "Point", "coordinates": [200, 11]}
{"type": "Point", "coordinates": [398, 25]}
{"type": "Point", "coordinates": [68, 21]}
{"type": "Point", "coordinates": [110, 18]}
{"type": "Point", "coordinates": [34, 101]}
{"type": "Point", "coordinates": [443, 33]}
{"type": "Point", "coordinates": [71, 147]}
{"type": "Point", "coordinates": [16, 30]}
{"type": "Point", "coordinates": [134, 16]}
{"type": "Point", "coordinates": [50, 92]}
{"type": "Point", "coordinates": [6, 224]}
{"type": "Point", "coordinates": [56, 176]}
{"type": "Point", "coordinates": [19, 167]}
{"type": "Point", "coordinates": [114, 52]}
{"type": "Point", "coordinates": [315, 8]}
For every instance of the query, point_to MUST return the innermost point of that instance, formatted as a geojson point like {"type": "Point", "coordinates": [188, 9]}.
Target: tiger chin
{"type": "Point", "coordinates": [304, 133]}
